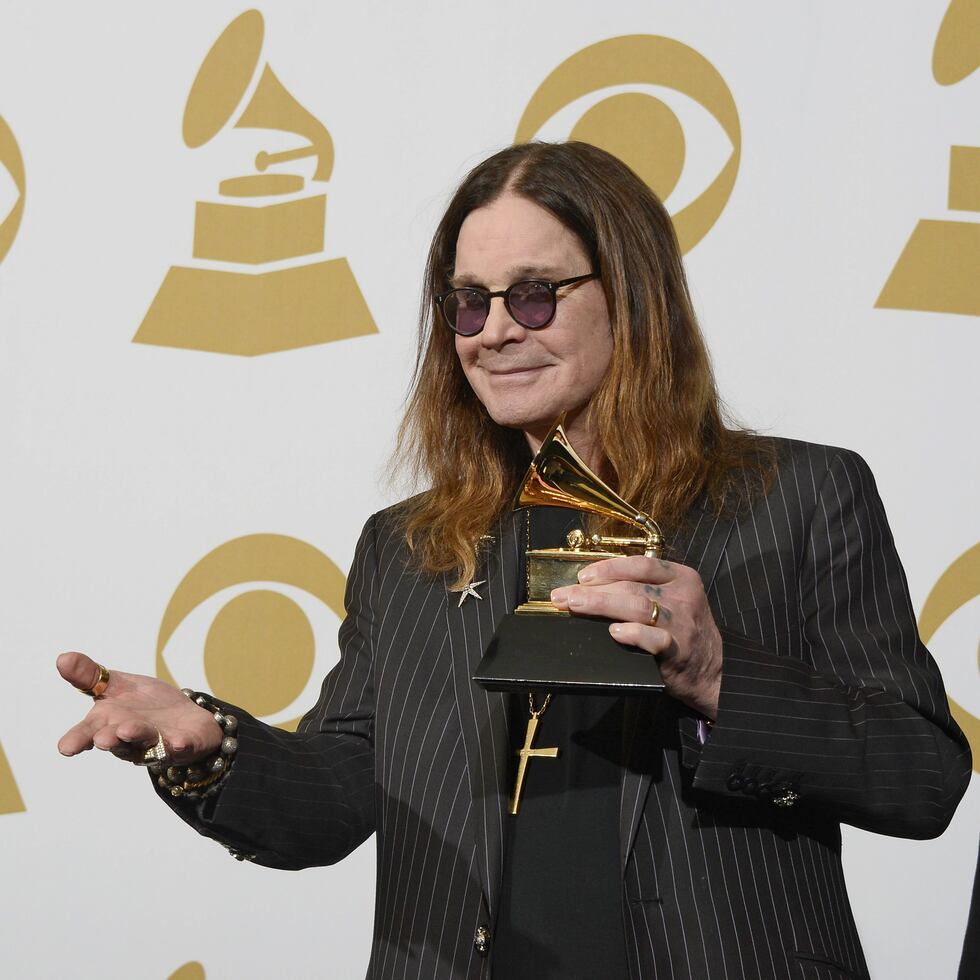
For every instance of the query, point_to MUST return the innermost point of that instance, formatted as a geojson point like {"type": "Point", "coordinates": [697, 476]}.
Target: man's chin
{"type": "Point", "coordinates": [528, 424]}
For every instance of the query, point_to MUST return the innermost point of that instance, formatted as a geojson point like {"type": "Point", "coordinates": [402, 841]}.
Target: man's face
{"type": "Point", "coordinates": [527, 378]}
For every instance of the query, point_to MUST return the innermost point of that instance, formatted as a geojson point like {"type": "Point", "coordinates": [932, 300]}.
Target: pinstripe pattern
{"type": "Point", "coordinates": [826, 690]}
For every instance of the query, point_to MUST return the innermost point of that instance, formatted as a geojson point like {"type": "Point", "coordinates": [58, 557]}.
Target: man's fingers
{"type": "Point", "coordinates": [617, 604]}
{"type": "Point", "coordinates": [633, 568]}
{"type": "Point", "coordinates": [80, 671]}
{"type": "Point", "coordinates": [107, 738]}
{"type": "Point", "coordinates": [107, 729]}
{"type": "Point", "coordinates": [76, 739]}
{"type": "Point", "coordinates": [653, 639]}
{"type": "Point", "coordinates": [135, 730]}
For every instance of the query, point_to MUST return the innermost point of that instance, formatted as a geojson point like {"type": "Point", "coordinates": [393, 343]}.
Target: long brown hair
{"type": "Point", "coordinates": [657, 413]}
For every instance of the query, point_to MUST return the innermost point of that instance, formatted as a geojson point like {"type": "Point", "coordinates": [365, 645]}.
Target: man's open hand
{"type": "Point", "coordinates": [132, 712]}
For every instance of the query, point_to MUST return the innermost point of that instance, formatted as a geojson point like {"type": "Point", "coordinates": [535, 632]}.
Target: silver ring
{"type": "Point", "coordinates": [156, 753]}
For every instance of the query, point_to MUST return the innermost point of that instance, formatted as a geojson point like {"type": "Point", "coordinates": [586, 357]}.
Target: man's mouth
{"type": "Point", "coordinates": [514, 369]}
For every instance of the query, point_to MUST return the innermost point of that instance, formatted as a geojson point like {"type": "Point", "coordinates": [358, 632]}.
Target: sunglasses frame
{"type": "Point", "coordinates": [489, 296]}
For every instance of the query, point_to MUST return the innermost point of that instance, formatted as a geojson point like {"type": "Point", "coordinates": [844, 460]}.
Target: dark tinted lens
{"type": "Point", "coordinates": [466, 311]}
{"type": "Point", "coordinates": [531, 304]}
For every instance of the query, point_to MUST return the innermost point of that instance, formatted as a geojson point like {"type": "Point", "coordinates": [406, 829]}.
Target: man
{"type": "Point", "coordinates": [698, 832]}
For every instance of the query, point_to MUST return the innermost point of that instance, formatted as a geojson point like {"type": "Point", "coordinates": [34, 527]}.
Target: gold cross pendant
{"type": "Point", "coordinates": [527, 753]}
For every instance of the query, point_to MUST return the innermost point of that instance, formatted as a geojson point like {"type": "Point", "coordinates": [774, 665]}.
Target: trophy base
{"type": "Point", "coordinates": [572, 654]}
{"type": "Point", "coordinates": [540, 607]}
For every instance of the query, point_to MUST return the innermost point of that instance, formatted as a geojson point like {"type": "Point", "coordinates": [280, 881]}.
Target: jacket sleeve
{"type": "Point", "coordinates": [859, 726]}
{"type": "Point", "coordinates": [297, 799]}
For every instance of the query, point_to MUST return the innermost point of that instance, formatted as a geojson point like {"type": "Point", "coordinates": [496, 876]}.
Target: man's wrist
{"type": "Point", "coordinates": [204, 777]}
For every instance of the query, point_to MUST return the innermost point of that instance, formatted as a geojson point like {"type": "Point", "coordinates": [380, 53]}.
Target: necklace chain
{"type": "Point", "coordinates": [538, 712]}
{"type": "Point", "coordinates": [535, 712]}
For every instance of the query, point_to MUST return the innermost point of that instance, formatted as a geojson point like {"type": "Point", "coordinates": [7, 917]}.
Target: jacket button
{"type": "Point", "coordinates": [750, 787]}
{"type": "Point", "coordinates": [786, 798]}
{"type": "Point", "coordinates": [481, 940]}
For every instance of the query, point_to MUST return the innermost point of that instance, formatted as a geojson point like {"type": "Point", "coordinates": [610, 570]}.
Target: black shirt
{"type": "Point", "coordinates": [561, 912]}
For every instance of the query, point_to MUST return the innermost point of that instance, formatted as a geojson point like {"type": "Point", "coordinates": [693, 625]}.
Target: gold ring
{"type": "Point", "coordinates": [101, 683]}
{"type": "Point", "coordinates": [654, 613]}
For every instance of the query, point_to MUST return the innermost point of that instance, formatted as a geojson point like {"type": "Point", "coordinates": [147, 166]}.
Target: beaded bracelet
{"type": "Point", "coordinates": [201, 778]}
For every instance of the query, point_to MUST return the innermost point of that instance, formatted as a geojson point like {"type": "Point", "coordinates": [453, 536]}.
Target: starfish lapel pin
{"type": "Point", "coordinates": [469, 590]}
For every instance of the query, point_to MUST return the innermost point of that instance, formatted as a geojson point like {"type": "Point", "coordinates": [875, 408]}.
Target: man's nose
{"type": "Point", "coordinates": [501, 328]}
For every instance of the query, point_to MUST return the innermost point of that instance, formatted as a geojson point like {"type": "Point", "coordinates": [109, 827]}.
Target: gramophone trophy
{"type": "Point", "coordinates": [539, 646]}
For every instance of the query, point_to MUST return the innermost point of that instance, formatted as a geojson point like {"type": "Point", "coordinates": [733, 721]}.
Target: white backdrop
{"type": "Point", "coordinates": [125, 464]}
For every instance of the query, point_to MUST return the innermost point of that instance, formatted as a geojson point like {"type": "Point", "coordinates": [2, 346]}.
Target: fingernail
{"type": "Point", "coordinates": [616, 629]}
{"type": "Point", "coordinates": [558, 595]}
{"type": "Point", "coordinates": [586, 575]}
{"type": "Point", "coordinates": [575, 601]}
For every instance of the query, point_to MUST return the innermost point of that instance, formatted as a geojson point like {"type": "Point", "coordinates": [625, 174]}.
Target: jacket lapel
{"type": "Point", "coordinates": [483, 715]}
{"type": "Point", "coordinates": [699, 543]}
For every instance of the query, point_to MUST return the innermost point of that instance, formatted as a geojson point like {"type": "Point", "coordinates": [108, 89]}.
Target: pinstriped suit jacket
{"type": "Point", "coordinates": [827, 695]}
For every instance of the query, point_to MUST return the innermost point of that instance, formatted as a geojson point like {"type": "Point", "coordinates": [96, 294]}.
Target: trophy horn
{"type": "Point", "coordinates": [559, 477]}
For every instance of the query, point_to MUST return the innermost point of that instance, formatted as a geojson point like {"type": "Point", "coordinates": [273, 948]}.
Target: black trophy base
{"type": "Point", "coordinates": [565, 653]}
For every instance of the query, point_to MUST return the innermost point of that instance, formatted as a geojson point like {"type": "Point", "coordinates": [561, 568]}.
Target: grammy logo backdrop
{"type": "Point", "coordinates": [213, 224]}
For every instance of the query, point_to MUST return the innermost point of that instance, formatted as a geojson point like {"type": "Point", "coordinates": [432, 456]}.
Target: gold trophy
{"type": "Point", "coordinates": [539, 646]}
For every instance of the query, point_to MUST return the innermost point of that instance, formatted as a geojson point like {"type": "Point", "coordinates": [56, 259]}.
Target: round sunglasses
{"type": "Point", "coordinates": [531, 302]}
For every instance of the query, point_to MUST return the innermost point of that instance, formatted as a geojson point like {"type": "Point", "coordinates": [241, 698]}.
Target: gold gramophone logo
{"type": "Point", "coordinates": [12, 185]}
{"type": "Point", "coordinates": [10, 799]}
{"type": "Point", "coordinates": [273, 290]}
{"type": "Point", "coordinates": [252, 610]}
{"type": "Point", "coordinates": [189, 971]}
{"type": "Point", "coordinates": [637, 125]}
{"type": "Point", "coordinates": [939, 268]}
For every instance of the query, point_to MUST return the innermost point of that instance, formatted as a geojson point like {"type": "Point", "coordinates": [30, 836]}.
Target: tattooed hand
{"type": "Point", "coordinates": [685, 638]}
